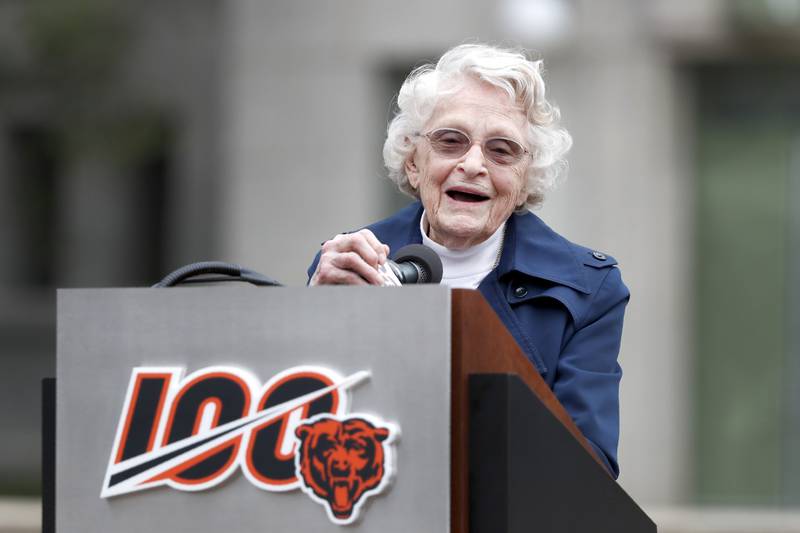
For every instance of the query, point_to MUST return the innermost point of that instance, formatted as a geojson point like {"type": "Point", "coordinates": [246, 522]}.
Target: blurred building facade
{"type": "Point", "coordinates": [140, 139]}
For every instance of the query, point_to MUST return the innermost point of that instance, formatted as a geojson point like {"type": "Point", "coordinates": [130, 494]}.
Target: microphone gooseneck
{"type": "Point", "coordinates": [223, 272]}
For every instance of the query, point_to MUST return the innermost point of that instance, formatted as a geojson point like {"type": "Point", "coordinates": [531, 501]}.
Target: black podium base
{"type": "Point", "coordinates": [528, 474]}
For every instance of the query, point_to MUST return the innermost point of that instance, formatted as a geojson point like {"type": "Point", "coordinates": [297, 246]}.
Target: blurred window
{"type": "Point", "coordinates": [30, 186]}
{"type": "Point", "coordinates": [69, 217]}
{"type": "Point", "coordinates": [747, 424]}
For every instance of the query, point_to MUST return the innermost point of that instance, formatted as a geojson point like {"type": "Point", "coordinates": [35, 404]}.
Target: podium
{"type": "Point", "coordinates": [311, 410]}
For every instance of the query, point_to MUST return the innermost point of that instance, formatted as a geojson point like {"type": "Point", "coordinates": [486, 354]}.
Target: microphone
{"type": "Point", "coordinates": [416, 263]}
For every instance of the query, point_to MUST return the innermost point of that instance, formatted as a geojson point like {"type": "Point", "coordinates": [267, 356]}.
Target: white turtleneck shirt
{"type": "Point", "coordinates": [465, 269]}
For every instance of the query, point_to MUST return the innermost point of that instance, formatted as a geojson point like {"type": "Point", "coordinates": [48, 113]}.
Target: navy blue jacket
{"type": "Point", "coordinates": [564, 304]}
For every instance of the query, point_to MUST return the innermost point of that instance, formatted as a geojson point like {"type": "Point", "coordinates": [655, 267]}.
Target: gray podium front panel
{"type": "Point", "coordinates": [402, 336]}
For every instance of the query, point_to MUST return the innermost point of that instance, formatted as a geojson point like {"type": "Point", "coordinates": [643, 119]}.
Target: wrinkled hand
{"type": "Point", "coordinates": [351, 259]}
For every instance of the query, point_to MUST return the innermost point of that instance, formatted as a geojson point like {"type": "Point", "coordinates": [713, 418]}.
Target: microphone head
{"type": "Point", "coordinates": [428, 262]}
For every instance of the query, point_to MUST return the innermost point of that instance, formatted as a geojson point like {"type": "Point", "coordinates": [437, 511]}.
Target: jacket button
{"type": "Point", "coordinates": [520, 292]}
{"type": "Point", "coordinates": [599, 256]}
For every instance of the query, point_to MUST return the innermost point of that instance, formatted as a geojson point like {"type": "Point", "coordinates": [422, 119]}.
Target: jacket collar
{"type": "Point", "coordinates": [530, 247]}
{"type": "Point", "coordinates": [533, 249]}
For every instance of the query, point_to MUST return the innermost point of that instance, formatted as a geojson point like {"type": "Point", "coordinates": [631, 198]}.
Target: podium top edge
{"type": "Point", "coordinates": [242, 286]}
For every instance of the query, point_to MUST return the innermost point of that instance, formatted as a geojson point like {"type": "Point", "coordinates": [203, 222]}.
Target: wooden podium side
{"type": "Point", "coordinates": [481, 345]}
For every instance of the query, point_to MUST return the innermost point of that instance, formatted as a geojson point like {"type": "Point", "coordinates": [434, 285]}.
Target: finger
{"type": "Point", "coordinates": [354, 262]}
{"type": "Point", "coordinates": [380, 249]}
{"type": "Point", "coordinates": [363, 242]}
{"type": "Point", "coordinates": [340, 277]}
{"type": "Point", "coordinates": [328, 273]}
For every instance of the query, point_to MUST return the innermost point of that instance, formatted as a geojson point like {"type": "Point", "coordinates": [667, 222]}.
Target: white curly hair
{"type": "Point", "coordinates": [507, 69]}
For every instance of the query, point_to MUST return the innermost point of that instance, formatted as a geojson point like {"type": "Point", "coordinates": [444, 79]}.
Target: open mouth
{"type": "Point", "coordinates": [341, 495]}
{"type": "Point", "coordinates": [343, 491]}
{"type": "Point", "coordinates": [461, 196]}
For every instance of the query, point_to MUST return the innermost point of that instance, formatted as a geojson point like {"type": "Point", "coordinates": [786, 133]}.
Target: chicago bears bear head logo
{"type": "Point", "coordinates": [340, 462]}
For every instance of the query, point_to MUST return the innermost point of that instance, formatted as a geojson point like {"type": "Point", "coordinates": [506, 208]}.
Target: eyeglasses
{"type": "Point", "coordinates": [452, 143]}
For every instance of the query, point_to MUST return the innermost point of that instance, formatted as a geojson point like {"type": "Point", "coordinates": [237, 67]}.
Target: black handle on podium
{"type": "Point", "coordinates": [48, 455]}
{"type": "Point", "coordinates": [215, 271]}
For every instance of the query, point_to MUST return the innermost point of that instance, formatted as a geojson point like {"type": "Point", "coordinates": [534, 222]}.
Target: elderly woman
{"type": "Point", "coordinates": [476, 142]}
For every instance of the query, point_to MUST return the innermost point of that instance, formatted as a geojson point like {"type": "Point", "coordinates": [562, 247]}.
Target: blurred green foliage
{"type": "Point", "coordinates": [77, 53]}
{"type": "Point", "coordinates": [77, 45]}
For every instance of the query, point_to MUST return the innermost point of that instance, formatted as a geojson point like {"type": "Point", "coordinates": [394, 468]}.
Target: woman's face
{"type": "Point", "coordinates": [467, 198]}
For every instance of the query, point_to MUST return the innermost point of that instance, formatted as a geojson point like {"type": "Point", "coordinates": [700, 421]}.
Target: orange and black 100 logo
{"type": "Point", "coordinates": [294, 432]}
